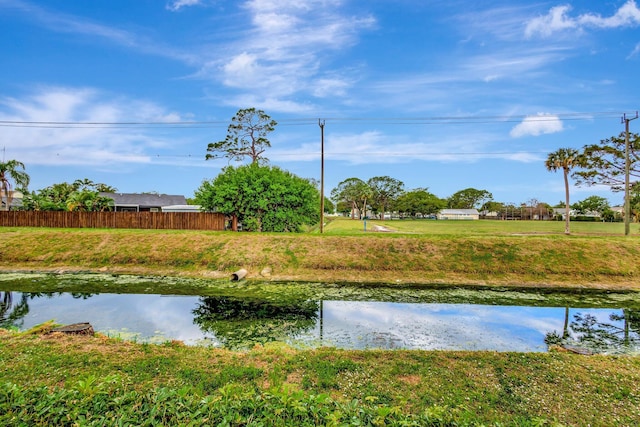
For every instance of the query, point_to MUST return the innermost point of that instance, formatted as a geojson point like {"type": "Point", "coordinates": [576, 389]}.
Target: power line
{"type": "Point", "coordinates": [348, 154]}
{"type": "Point", "coordinates": [432, 120]}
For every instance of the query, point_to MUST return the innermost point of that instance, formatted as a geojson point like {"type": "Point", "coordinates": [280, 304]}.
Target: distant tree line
{"type": "Point", "coordinates": [383, 194]}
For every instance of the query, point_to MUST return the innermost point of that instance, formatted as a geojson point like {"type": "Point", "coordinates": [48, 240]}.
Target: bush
{"type": "Point", "coordinates": [263, 198]}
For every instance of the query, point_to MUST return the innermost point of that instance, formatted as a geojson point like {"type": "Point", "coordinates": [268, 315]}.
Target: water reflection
{"type": "Point", "coordinates": [239, 323]}
{"type": "Point", "coordinates": [619, 332]}
{"type": "Point", "coordinates": [149, 318]}
{"type": "Point", "coordinates": [12, 312]}
{"type": "Point", "coordinates": [236, 322]}
{"type": "Point", "coordinates": [436, 326]}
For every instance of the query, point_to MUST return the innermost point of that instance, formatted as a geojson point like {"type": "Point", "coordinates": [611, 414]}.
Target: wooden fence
{"type": "Point", "coordinates": [139, 220]}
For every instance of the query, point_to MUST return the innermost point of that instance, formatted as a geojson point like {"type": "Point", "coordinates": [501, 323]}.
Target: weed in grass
{"type": "Point", "coordinates": [327, 372]}
{"type": "Point", "coordinates": [236, 374]}
{"type": "Point", "coordinates": [293, 259]}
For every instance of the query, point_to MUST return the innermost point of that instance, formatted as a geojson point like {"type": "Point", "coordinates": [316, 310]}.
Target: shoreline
{"type": "Point", "coordinates": [512, 282]}
{"type": "Point", "coordinates": [533, 261]}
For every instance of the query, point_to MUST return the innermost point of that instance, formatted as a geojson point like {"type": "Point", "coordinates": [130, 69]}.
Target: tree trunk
{"type": "Point", "coordinates": [234, 222]}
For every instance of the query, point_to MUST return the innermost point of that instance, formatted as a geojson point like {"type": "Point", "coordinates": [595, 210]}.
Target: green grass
{"type": "Point", "coordinates": [63, 380]}
{"type": "Point", "coordinates": [532, 253]}
{"type": "Point", "coordinates": [347, 226]}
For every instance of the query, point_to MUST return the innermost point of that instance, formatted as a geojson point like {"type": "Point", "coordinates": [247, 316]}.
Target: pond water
{"type": "Point", "coordinates": [364, 317]}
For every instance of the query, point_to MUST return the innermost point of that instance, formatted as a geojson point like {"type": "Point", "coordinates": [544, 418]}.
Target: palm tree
{"type": "Point", "coordinates": [88, 201]}
{"type": "Point", "coordinates": [13, 170]}
{"type": "Point", "coordinates": [565, 159]}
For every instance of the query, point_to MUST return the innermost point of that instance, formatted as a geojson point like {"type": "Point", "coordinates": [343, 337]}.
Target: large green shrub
{"type": "Point", "coordinates": [263, 198]}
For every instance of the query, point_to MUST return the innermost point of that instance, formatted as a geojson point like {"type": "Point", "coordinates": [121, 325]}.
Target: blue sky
{"type": "Point", "coordinates": [439, 94]}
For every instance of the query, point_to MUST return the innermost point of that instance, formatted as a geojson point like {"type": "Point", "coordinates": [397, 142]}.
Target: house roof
{"type": "Point", "coordinates": [143, 199]}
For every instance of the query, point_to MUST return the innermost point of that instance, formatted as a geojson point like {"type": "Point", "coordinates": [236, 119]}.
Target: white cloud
{"type": "Point", "coordinates": [558, 19]}
{"type": "Point", "coordinates": [241, 70]}
{"type": "Point", "coordinates": [327, 87]}
{"type": "Point", "coordinates": [60, 143]}
{"type": "Point", "coordinates": [179, 4]}
{"type": "Point", "coordinates": [537, 125]}
{"type": "Point", "coordinates": [283, 46]}
{"type": "Point", "coordinates": [268, 103]}
{"type": "Point", "coordinates": [555, 20]}
{"type": "Point", "coordinates": [377, 147]}
{"type": "Point", "coordinates": [627, 16]}
{"type": "Point", "coordinates": [284, 52]}
{"type": "Point", "coordinates": [509, 64]}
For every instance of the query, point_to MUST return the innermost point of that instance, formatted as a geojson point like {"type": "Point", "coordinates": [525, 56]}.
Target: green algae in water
{"type": "Point", "coordinates": [292, 292]}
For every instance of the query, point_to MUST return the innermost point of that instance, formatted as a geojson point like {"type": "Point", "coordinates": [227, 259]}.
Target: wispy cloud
{"type": "Point", "coordinates": [62, 144]}
{"type": "Point", "coordinates": [287, 50]}
{"type": "Point", "coordinates": [499, 23]}
{"type": "Point", "coordinates": [538, 125]}
{"type": "Point", "coordinates": [635, 51]}
{"type": "Point", "coordinates": [284, 49]}
{"type": "Point", "coordinates": [71, 24]}
{"type": "Point", "coordinates": [488, 74]}
{"type": "Point", "coordinates": [61, 22]}
{"type": "Point", "coordinates": [559, 19]}
{"type": "Point", "coordinates": [509, 63]}
{"type": "Point", "coordinates": [179, 4]}
{"type": "Point", "coordinates": [378, 147]}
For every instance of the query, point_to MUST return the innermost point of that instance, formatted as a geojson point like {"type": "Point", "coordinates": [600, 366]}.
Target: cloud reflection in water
{"type": "Point", "coordinates": [344, 324]}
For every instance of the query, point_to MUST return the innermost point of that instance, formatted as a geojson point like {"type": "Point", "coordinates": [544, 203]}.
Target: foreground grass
{"type": "Point", "coordinates": [62, 380]}
{"type": "Point", "coordinates": [452, 252]}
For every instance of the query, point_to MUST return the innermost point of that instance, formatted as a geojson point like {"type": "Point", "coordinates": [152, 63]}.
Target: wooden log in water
{"type": "Point", "coordinates": [76, 328]}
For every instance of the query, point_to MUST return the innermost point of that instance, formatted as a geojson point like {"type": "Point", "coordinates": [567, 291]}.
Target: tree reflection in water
{"type": "Point", "coordinates": [601, 337]}
{"type": "Point", "coordinates": [241, 323]}
{"type": "Point", "coordinates": [12, 314]}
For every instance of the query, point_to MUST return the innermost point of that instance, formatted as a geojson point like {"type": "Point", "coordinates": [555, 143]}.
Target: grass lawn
{"type": "Point", "coordinates": [62, 380]}
{"type": "Point", "coordinates": [346, 226]}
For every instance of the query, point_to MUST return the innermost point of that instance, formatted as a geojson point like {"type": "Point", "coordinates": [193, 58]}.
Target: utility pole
{"type": "Point", "coordinates": [321, 124]}
{"type": "Point", "coordinates": [627, 167]}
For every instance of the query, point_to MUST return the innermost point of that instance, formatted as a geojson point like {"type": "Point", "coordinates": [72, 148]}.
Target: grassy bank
{"type": "Point", "coordinates": [532, 253]}
{"type": "Point", "coordinates": [56, 380]}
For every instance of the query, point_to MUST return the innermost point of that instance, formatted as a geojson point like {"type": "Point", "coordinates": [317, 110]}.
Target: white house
{"type": "Point", "coordinates": [464, 214]}
{"type": "Point", "coordinates": [181, 208]}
